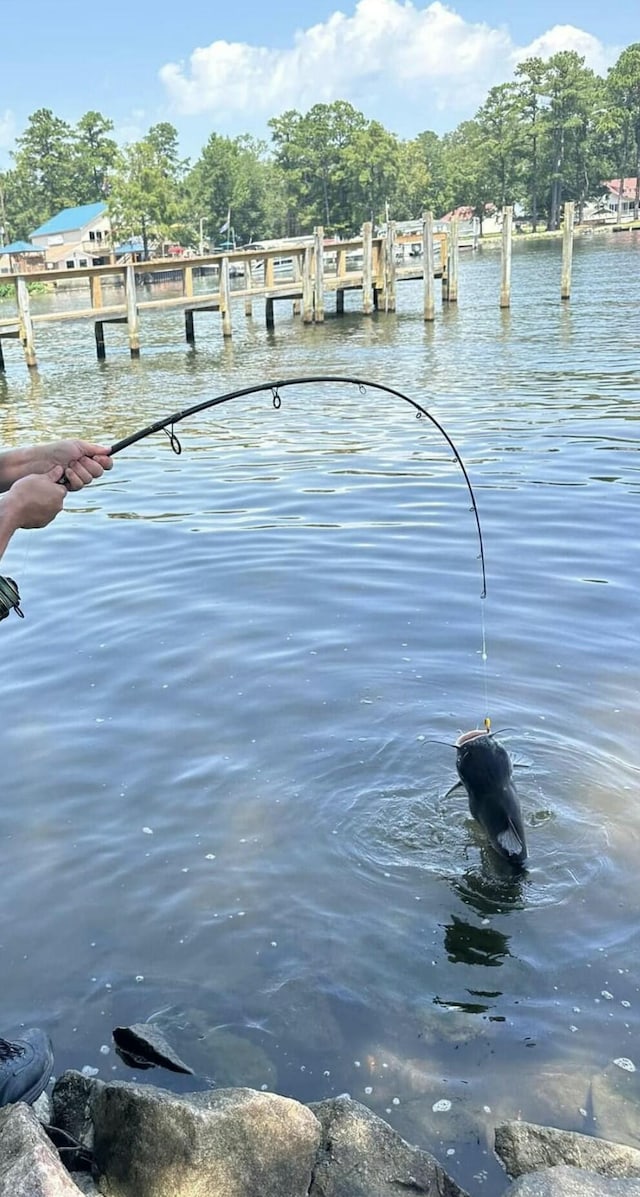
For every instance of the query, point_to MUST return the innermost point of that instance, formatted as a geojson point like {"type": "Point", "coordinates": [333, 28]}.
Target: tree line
{"type": "Point", "coordinates": [552, 133]}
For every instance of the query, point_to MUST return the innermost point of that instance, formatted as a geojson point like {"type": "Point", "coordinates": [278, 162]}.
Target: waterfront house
{"type": "Point", "coordinates": [78, 236]}
{"type": "Point", "coordinates": [20, 257]}
{"type": "Point", "coordinates": [628, 199]}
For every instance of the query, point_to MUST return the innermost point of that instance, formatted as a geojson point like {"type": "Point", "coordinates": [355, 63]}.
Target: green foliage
{"type": "Point", "coordinates": [552, 133]}
{"type": "Point", "coordinates": [8, 290]}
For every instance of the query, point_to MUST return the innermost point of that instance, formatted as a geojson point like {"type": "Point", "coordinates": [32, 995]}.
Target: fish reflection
{"type": "Point", "coordinates": [494, 888]}
{"type": "Point", "coordinates": [468, 944]}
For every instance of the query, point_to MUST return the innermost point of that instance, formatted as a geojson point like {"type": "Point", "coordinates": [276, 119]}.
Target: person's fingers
{"type": "Point", "coordinates": [90, 466]}
{"type": "Point", "coordinates": [92, 450]}
{"type": "Point", "coordinates": [55, 474]}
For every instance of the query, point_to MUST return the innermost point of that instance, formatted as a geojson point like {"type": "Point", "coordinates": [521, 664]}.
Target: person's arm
{"type": "Point", "coordinates": [81, 461]}
{"type": "Point", "coordinates": [32, 502]}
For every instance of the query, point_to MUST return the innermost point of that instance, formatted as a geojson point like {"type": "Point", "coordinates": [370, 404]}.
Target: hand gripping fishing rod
{"type": "Point", "coordinates": [167, 424]}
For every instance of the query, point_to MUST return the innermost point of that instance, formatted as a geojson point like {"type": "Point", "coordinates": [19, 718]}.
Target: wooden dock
{"type": "Point", "coordinates": [303, 273]}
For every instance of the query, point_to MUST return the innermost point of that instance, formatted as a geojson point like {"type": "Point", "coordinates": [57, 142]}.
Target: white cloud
{"type": "Point", "coordinates": [7, 129]}
{"type": "Point", "coordinates": [386, 54]}
{"type": "Point", "coordinates": [568, 37]}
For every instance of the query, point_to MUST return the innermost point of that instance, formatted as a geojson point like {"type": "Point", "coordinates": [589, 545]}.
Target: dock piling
{"type": "Point", "coordinates": [100, 346]}
{"type": "Point", "coordinates": [567, 250]}
{"type": "Point", "coordinates": [225, 301]}
{"type": "Point", "coordinates": [427, 257]}
{"type": "Point", "coordinates": [453, 262]}
{"type": "Point", "coordinates": [367, 268]}
{"type": "Point", "coordinates": [189, 330]}
{"type": "Point", "coordinates": [307, 286]}
{"type": "Point", "coordinates": [318, 236]}
{"type": "Point", "coordinates": [25, 322]}
{"type": "Point", "coordinates": [505, 284]}
{"type": "Point", "coordinates": [132, 311]}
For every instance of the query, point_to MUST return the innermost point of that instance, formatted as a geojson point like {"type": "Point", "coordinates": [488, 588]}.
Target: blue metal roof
{"type": "Point", "coordinates": [20, 247]}
{"type": "Point", "coordinates": [69, 219]}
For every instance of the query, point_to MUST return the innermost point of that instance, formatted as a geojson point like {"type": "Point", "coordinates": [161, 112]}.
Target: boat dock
{"type": "Point", "coordinates": [303, 273]}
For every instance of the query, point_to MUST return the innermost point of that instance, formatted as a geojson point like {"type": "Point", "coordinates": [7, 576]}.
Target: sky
{"type": "Point", "coordinates": [228, 67]}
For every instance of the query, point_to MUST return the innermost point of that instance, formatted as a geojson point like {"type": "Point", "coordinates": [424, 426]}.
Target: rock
{"type": "Point", "coordinates": [362, 1156]}
{"type": "Point", "coordinates": [222, 1143]}
{"type": "Point", "coordinates": [234, 1061]}
{"type": "Point", "coordinates": [143, 1045]}
{"type": "Point", "coordinates": [29, 1164]}
{"type": "Point", "coordinates": [71, 1102]}
{"type": "Point", "coordinates": [525, 1147]}
{"type": "Point", "coordinates": [565, 1181]}
{"type": "Point", "coordinates": [615, 1099]}
{"type": "Point", "coordinates": [86, 1184]}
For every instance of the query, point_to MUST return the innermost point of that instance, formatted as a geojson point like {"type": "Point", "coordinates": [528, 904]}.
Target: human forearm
{"type": "Point", "coordinates": [14, 464]}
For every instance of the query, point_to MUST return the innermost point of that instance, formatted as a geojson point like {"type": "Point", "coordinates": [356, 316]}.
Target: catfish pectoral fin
{"type": "Point", "coordinates": [510, 842]}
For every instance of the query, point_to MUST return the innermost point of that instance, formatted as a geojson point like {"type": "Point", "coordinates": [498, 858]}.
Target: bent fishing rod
{"type": "Point", "coordinates": [9, 596]}
{"type": "Point", "coordinates": [167, 424]}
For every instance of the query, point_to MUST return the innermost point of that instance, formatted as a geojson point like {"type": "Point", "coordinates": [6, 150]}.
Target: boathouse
{"type": "Point", "coordinates": [75, 237]}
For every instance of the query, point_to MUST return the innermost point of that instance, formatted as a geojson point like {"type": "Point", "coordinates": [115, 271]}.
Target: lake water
{"type": "Point", "coordinates": [223, 806]}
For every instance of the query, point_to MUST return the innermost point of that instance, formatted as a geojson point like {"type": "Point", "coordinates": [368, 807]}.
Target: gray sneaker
{"type": "Point", "coordinates": [25, 1066]}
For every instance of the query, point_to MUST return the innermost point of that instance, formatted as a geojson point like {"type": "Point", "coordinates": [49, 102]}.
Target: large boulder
{"type": "Point", "coordinates": [565, 1181]}
{"type": "Point", "coordinates": [221, 1143]}
{"type": "Point", "coordinates": [362, 1156]}
{"type": "Point", "coordinates": [29, 1164]}
{"type": "Point", "coordinates": [525, 1147]}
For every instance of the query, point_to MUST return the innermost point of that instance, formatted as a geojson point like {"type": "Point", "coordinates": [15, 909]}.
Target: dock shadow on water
{"type": "Point", "coordinates": [232, 825]}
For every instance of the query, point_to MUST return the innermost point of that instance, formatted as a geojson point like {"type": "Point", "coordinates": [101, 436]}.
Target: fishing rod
{"type": "Point", "coordinates": [9, 596]}
{"type": "Point", "coordinates": [167, 424]}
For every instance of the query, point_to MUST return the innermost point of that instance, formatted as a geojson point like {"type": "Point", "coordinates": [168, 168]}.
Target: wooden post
{"type": "Point", "coordinates": [567, 250]}
{"type": "Point", "coordinates": [428, 266]}
{"type": "Point", "coordinates": [132, 310]}
{"type": "Point", "coordinates": [318, 298]}
{"type": "Point", "coordinates": [390, 268]}
{"type": "Point", "coordinates": [268, 272]}
{"type": "Point", "coordinates": [95, 288]}
{"type": "Point", "coordinates": [307, 287]}
{"type": "Point", "coordinates": [189, 330]}
{"type": "Point", "coordinates": [26, 326]}
{"type": "Point", "coordinates": [340, 301]}
{"type": "Point", "coordinates": [452, 264]}
{"type": "Point", "coordinates": [248, 286]}
{"type": "Point", "coordinates": [296, 278]}
{"type": "Point", "coordinates": [269, 313]}
{"type": "Point", "coordinates": [505, 286]}
{"type": "Point", "coordinates": [367, 268]}
{"type": "Point", "coordinates": [1, 359]}
{"type": "Point", "coordinates": [100, 346]}
{"type": "Point", "coordinates": [187, 281]}
{"type": "Point", "coordinates": [341, 264]}
{"type": "Point", "coordinates": [225, 298]}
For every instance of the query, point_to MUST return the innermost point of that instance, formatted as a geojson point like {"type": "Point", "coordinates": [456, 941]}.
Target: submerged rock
{"type": "Point", "coordinates": [525, 1147]}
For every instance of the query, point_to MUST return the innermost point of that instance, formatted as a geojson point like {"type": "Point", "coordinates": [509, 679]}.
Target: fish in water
{"type": "Point", "coordinates": [485, 770]}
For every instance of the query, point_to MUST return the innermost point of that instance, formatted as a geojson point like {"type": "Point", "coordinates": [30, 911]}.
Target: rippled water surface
{"type": "Point", "coordinates": [225, 717]}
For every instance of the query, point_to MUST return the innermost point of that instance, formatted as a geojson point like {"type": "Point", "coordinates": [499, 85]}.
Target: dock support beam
{"type": "Point", "coordinates": [26, 325]}
{"type": "Point", "coordinates": [268, 312]}
{"type": "Point", "coordinates": [367, 269]}
{"type": "Point", "coordinates": [389, 269]}
{"type": "Point", "coordinates": [248, 285]}
{"type": "Point", "coordinates": [187, 282]}
{"type": "Point", "coordinates": [318, 235]}
{"type": "Point", "coordinates": [132, 311]}
{"type": "Point", "coordinates": [340, 301]}
{"type": "Point", "coordinates": [189, 330]}
{"type": "Point", "coordinates": [100, 346]}
{"type": "Point", "coordinates": [1, 359]}
{"type": "Point", "coordinates": [429, 267]}
{"type": "Point", "coordinates": [225, 299]}
{"type": "Point", "coordinates": [567, 250]}
{"type": "Point", "coordinates": [307, 287]}
{"type": "Point", "coordinates": [453, 261]}
{"type": "Point", "coordinates": [95, 289]}
{"type": "Point", "coordinates": [505, 285]}
{"type": "Point", "coordinates": [297, 273]}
